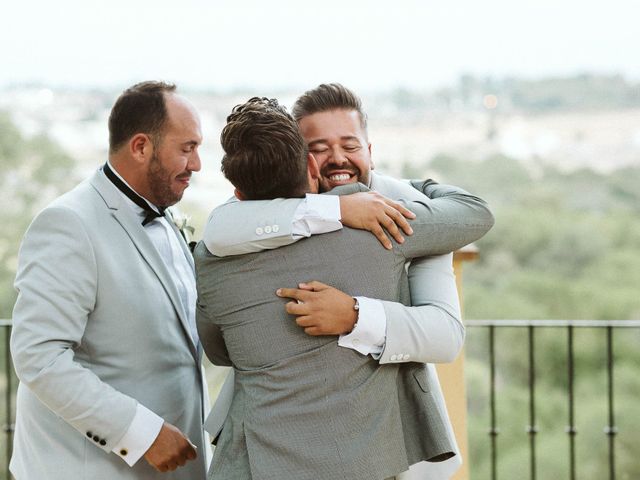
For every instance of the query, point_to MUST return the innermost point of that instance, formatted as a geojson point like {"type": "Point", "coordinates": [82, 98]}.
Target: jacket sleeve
{"type": "Point", "coordinates": [452, 219]}
{"type": "Point", "coordinates": [57, 285]}
{"type": "Point", "coordinates": [430, 331]}
{"type": "Point", "coordinates": [249, 226]}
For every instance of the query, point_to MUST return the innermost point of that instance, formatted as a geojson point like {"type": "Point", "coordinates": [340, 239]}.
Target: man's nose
{"type": "Point", "coordinates": [338, 157]}
{"type": "Point", "coordinates": [194, 164]}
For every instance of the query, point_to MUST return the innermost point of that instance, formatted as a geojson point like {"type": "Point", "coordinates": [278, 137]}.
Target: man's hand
{"type": "Point", "coordinates": [321, 309]}
{"type": "Point", "coordinates": [170, 450]}
{"type": "Point", "coordinates": [376, 213]}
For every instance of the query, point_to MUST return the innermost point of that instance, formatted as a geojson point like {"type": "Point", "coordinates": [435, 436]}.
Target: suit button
{"type": "Point", "coordinates": [89, 434]}
{"type": "Point", "coordinates": [96, 438]}
{"type": "Point", "coordinates": [259, 231]}
{"type": "Point", "coordinates": [267, 229]}
{"type": "Point", "coordinates": [275, 229]}
{"type": "Point", "coordinates": [393, 358]}
{"type": "Point", "coordinates": [406, 356]}
{"type": "Point", "coordinates": [103, 442]}
{"type": "Point", "coordinates": [123, 452]}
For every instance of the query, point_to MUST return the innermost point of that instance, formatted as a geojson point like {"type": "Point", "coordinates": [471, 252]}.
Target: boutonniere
{"type": "Point", "coordinates": [181, 221]}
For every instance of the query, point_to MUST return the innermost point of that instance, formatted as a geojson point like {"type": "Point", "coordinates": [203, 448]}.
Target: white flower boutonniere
{"type": "Point", "coordinates": [181, 221]}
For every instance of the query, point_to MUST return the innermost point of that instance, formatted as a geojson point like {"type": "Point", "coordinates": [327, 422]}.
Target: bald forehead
{"type": "Point", "coordinates": [182, 117]}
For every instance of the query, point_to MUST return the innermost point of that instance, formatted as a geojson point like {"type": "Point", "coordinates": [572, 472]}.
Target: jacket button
{"type": "Point", "coordinates": [259, 231]}
{"type": "Point", "coordinates": [275, 229]}
{"type": "Point", "coordinates": [406, 356]}
{"type": "Point", "coordinates": [89, 434]}
{"type": "Point", "coordinates": [123, 452]}
{"type": "Point", "coordinates": [96, 438]}
{"type": "Point", "coordinates": [393, 358]}
{"type": "Point", "coordinates": [103, 442]}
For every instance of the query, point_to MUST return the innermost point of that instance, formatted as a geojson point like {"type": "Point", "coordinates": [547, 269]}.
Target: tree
{"type": "Point", "coordinates": [33, 171]}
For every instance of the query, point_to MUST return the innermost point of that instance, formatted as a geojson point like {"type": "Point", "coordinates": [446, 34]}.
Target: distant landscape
{"type": "Point", "coordinates": [557, 159]}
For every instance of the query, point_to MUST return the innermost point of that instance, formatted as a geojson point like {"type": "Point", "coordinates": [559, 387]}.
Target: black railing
{"type": "Point", "coordinates": [531, 326]}
{"type": "Point", "coordinates": [9, 394]}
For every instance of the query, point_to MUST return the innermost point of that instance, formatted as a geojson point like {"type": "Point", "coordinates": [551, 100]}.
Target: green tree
{"type": "Point", "coordinates": [33, 171]}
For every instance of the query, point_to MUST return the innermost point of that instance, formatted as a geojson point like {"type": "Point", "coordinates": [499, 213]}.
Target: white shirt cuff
{"type": "Point", "coordinates": [370, 333]}
{"type": "Point", "coordinates": [142, 432]}
{"type": "Point", "coordinates": [316, 214]}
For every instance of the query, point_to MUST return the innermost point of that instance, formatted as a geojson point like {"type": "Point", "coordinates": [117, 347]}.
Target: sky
{"type": "Point", "coordinates": [277, 45]}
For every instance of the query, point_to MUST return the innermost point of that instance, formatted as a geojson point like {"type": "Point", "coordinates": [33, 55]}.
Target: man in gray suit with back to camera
{"type": "Point", "coordinates": [334, 128]}
{"type": "Point", "coordinates": [104, 339]}
{"type": "Point", "coordinates": [304, 407]}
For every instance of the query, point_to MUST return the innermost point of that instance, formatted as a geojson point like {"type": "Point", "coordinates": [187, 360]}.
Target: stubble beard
{"type": "Point", "coordinates": [160, 182]}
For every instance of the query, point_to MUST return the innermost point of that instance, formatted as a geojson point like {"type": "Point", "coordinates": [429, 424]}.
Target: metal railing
{"type": "Point", "coordinates": [531, 326]}
{"type": "Point", "coordinates": [9, 394]}
{"type": "Point", "coordinates": [491, 326]}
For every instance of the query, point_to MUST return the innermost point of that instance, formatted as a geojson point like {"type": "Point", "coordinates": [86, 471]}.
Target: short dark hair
{"type": "Point", "coordinates": [326, 97]}
{"type": "Point", "coordinates": [139, 109]}
{"type": "Point", "coordinates": [265, 155]}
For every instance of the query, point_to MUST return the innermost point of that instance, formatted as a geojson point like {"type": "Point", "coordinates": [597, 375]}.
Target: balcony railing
{"type": "Point", "coordinates": [530, 328]}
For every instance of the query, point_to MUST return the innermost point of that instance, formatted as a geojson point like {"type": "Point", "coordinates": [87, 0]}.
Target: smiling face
{"type": "Point", "coordinates": [339, 144]}
{"type": "Point", "coordinates": [176, 155]}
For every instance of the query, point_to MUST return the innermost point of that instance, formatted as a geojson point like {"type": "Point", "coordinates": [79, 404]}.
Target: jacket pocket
{"type": "Point", "coordinates": [420, 375]}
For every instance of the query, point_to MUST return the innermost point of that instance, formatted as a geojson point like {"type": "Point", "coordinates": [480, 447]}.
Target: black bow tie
{"type": "Point", "coordinates": [151, 214]}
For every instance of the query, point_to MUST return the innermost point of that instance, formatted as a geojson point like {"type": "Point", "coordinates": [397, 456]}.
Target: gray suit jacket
{"type": "Point", "coordinates": [302, 406]}
{"type": "Point", "coordinates": [98, 327]}
{"type": "Point", "coordinates": [432, 332]}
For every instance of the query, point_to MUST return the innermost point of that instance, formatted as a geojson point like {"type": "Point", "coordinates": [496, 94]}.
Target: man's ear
{"type": "Point", "coordinates": [239, 195]}
{"type": "Point", "coordinates": [371, 165]}
{"type": "Point", "coordinates": [312, 166]}
{"type": "Point", "coordinates": [140, 147]}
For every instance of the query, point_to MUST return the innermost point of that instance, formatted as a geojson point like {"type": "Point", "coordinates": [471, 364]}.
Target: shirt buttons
{"type": "Point", "coordinates": [393, 358]}
{"type": "Point", "coordinates": [406, 356]}
{"type": "Point", "coordinates": [259, 231]}
{"type": "Point", "coordinates": [275, 228]}
{"type": "Point", "coordinates": [267, 229]}
{"type": "Point", "coordinates": [123, 452]}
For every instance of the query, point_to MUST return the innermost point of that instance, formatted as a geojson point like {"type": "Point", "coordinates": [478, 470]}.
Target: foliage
{"type": "Point", "coordinates": [565, 246]}
{"type": "Point", "coordinates": [33, 171]}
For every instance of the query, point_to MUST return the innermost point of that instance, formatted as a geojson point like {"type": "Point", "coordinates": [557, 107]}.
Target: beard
{"type": "Point", "coordinates": [160, 181]}
{"type": "Point", "coordinates": [359, 176]}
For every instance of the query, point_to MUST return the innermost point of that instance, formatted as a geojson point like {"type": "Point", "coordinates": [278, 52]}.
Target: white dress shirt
{"type": "Point", "coordinates": [146, 425]}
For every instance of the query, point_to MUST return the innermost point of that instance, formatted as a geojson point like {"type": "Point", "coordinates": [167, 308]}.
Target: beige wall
{"type": "Point", "coordinates": [451, 375]}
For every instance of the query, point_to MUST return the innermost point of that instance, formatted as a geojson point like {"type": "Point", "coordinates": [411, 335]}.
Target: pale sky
{"type": "Point", "coordinates": [293, 44]}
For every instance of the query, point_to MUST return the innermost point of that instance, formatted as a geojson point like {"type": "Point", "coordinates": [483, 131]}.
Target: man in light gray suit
{"type": "Point", "coordinates": [303, 407]}
{"type": "Point", "coordinates": [104, 340]}
{"type": "Point", "coordinates": [334, 127]}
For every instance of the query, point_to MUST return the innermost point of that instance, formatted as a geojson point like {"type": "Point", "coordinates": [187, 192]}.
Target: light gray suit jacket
{"type": "Point", "coordinates": [98, 327]}
{"type": "Point", "coordinates": [304, 407]}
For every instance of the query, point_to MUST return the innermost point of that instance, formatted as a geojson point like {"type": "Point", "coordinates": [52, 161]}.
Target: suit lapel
{"type": "Point", "coordinates": [132, 226]}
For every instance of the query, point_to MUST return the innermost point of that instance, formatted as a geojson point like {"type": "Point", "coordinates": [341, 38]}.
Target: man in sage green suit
{"type": "Point", "coordinates": [104, 340]}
